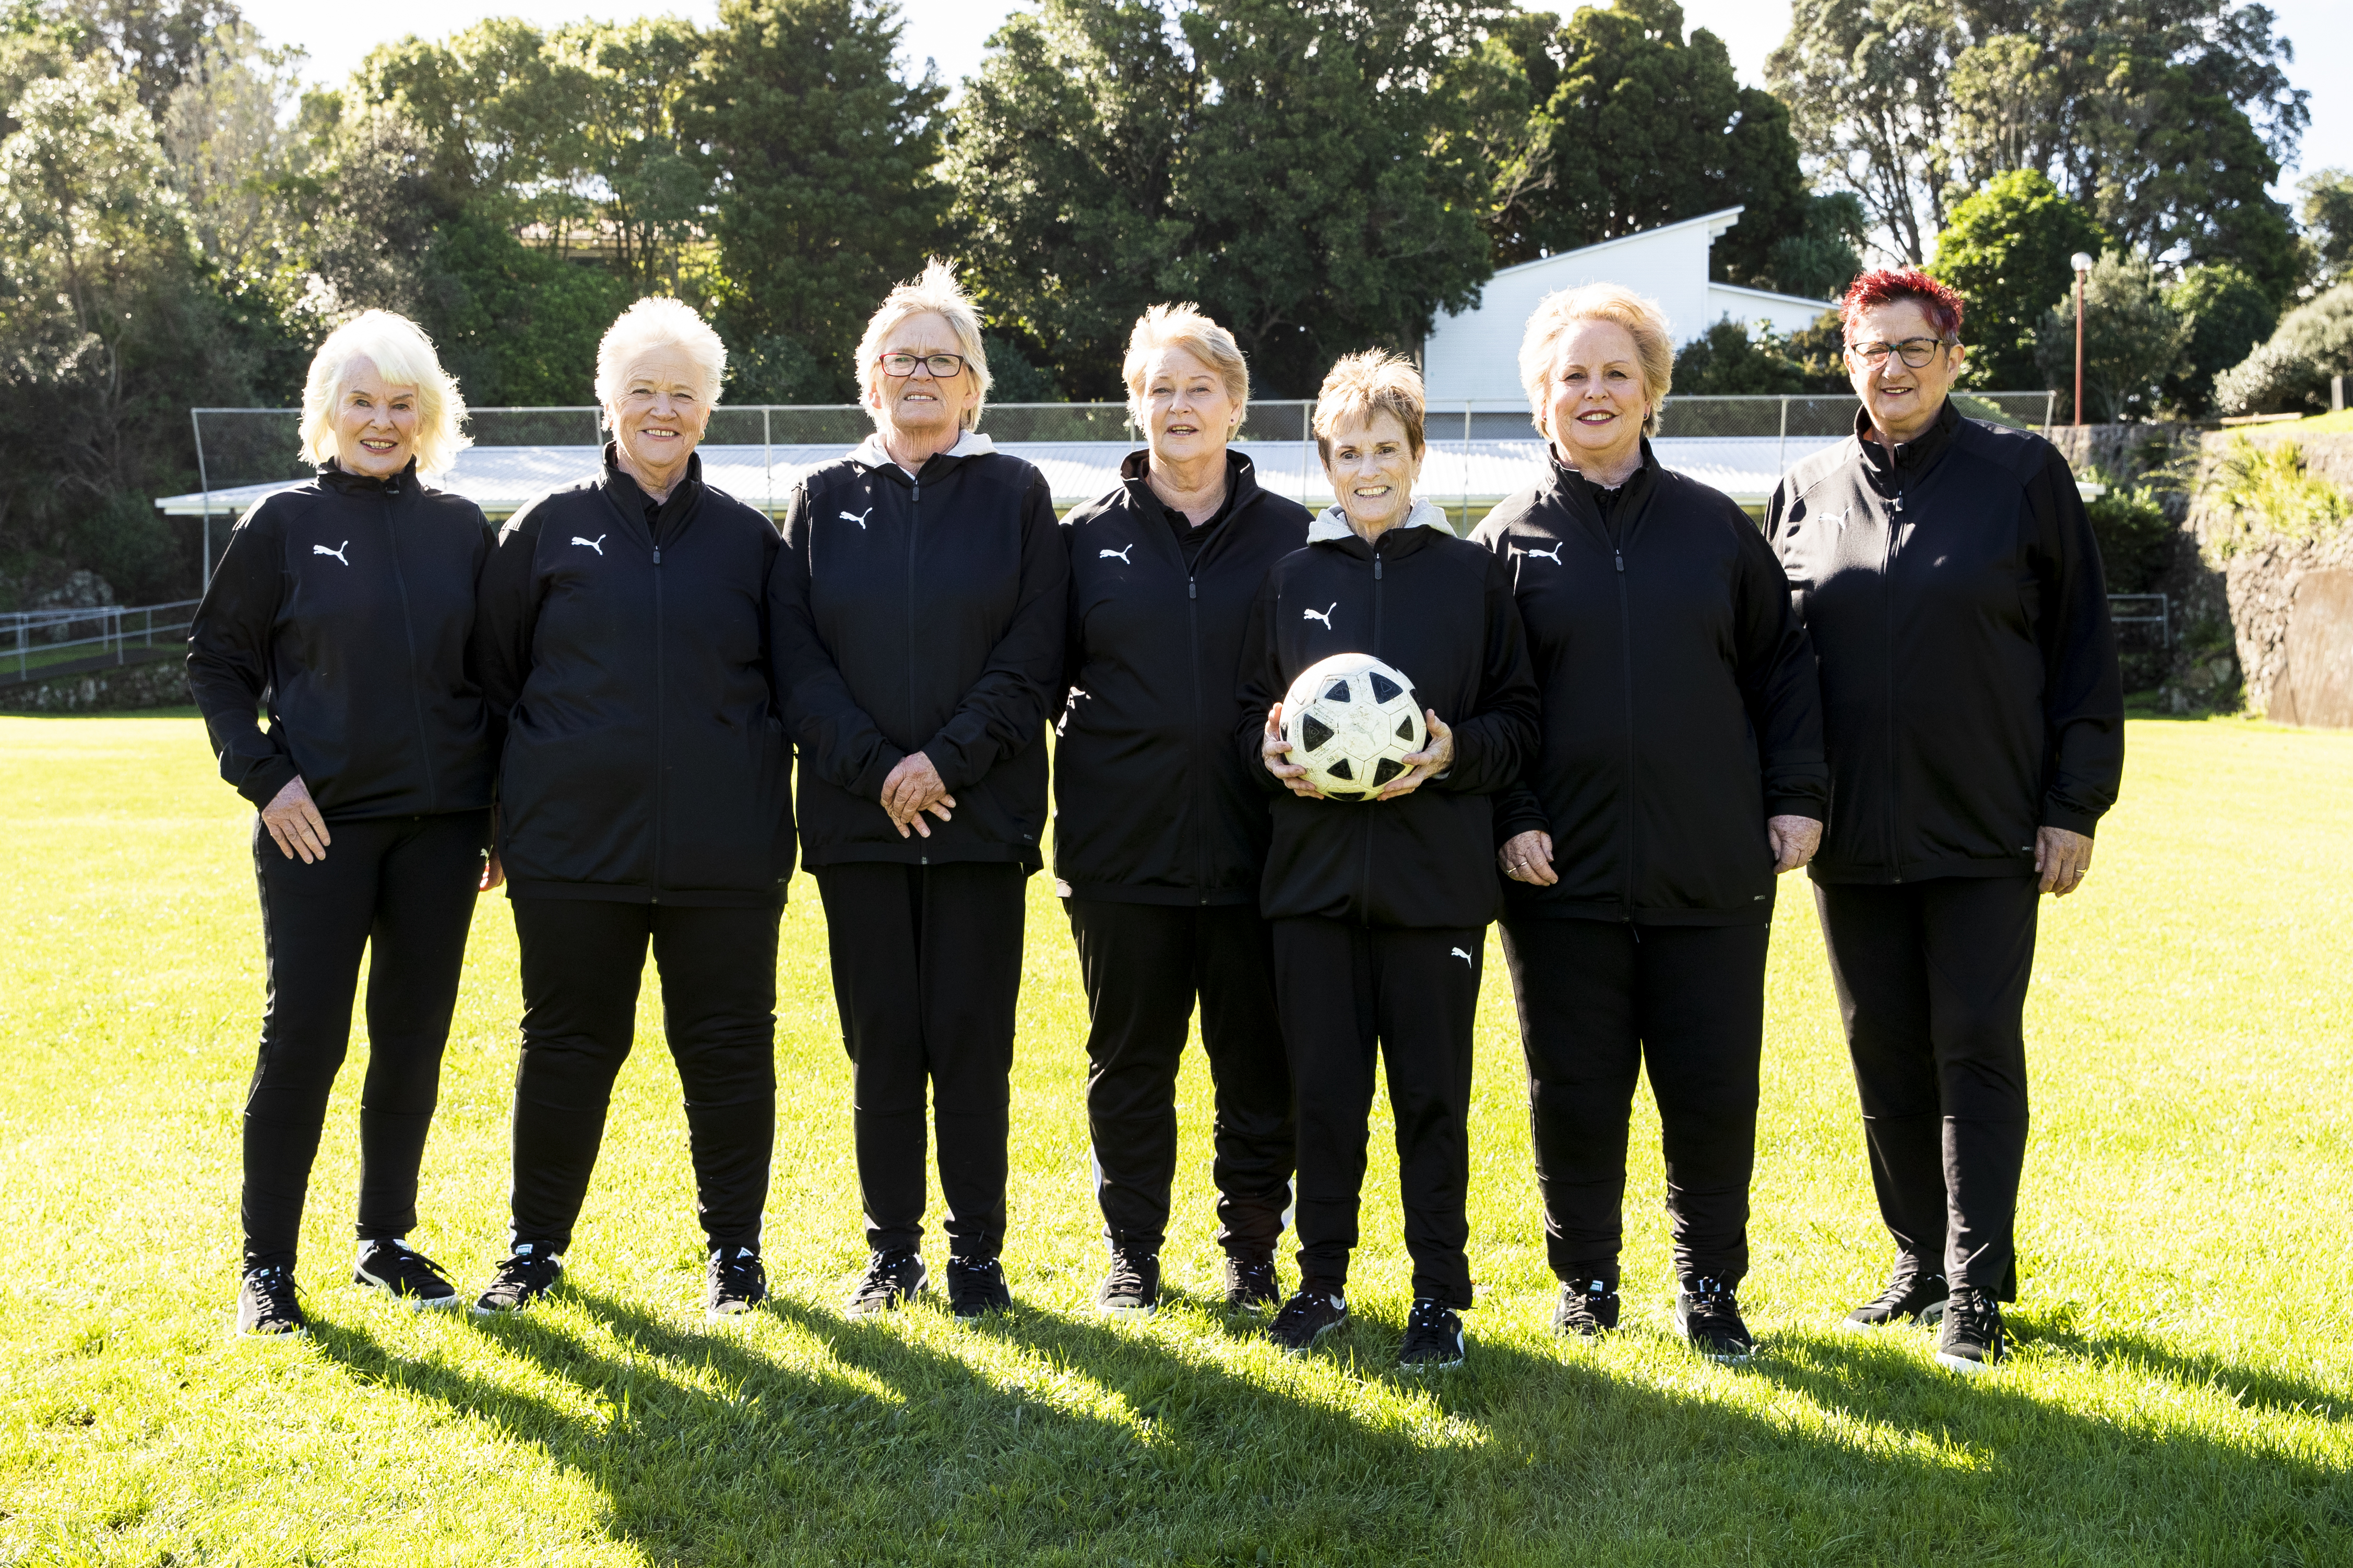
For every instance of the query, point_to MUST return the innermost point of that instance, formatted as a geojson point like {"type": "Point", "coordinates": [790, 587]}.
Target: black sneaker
{"type": "Point", "coordinates": [890, 1278]}
{"type": "Point", "coordinates": [736, 1284]}
{"type": "Point", "coordinates": [1131, 1288]}
{"type": "Point", "coordinates": [1307, 1317]}
{"type": "Point", "coordinates": [1913, 1294]}
{"type": "Point", "coordinates": [265, 1306]}
{"type": "Point", "coordinates": [1251, 1282]}
{"type": "Point", "coordinates": [976, 1288]}
{"type": "Point", "coordinates": [527, 1274]}
{"type": "Point", "coordinates": [1433, 1338]}
{"type": "Point", "coordinates": [402, 1273]}
{"type": "Point", "coordinates": [1588, 1307]}
{"type": "Point", "coordinates": [1708, 1315]}
{"type": "Point", "coordinates": [1971, 1340]}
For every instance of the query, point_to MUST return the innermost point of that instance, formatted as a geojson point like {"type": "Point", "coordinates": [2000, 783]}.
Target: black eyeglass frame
{"type": "Point", "coordinates": [929, 362]}
{"type": "Point", "coordinates": [1928, 348]}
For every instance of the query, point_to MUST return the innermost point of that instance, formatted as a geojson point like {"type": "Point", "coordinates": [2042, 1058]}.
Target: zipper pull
{"type": "Point", "coordinates": [1377, 568]}
{"type": "Point", "coordinates": [1192, 589]}
{"type": "Point", "coordinates": [1619, 556]}
{"type": "Point", "coordinates": [657, 554]}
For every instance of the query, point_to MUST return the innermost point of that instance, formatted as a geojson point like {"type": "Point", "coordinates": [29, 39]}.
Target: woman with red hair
{"type": "Point", "coordinates": [1974, 718]}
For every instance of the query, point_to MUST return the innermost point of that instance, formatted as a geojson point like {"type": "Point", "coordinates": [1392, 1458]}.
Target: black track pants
{"type": "Point", "coordinates": [1596, 1002]}
{"type": "Point", "coordinates": [1143, 966]}
{"type": "Point", "coordinates": [1346, 992]}
{"type": "Point", "coordinates": [582, 964]}
{"type": "Point", "coordinates": [400, 890]}
{"type": "Point", "coordinates": [927, 974]}
{"type": "Point", "coordinates": [1932, 981]}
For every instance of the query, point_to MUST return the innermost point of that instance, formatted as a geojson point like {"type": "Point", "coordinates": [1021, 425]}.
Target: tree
{"type": "Point", "coordinates": [826, 195]}
{"type": "Point", "coordinates": [2007, 249]}
{"type": "Point", "coordinates": [2328, 215]}
{"type": "Point", "coordinates": [1294, 169]}
{"type": "Point", "coordinates": [2228, 314]}
{"type": "Point", "coordinates": [2132, 338]}
{"type": "Point", "coordinates": [1727, 359]}
{"type": "Point", "coordinates": [2290, 372]}
{"type": "Point", "coordinates": [1825, 254]}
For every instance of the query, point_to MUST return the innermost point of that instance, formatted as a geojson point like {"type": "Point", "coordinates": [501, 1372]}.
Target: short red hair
{"type": "Point", "coordinates": [1886, 285]}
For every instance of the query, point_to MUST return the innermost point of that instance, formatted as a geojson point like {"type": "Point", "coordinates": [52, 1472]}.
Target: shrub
{"type": "Point", "coordinates": [2271, 494]}
{"type": "Point", "coordinates": [2289, 373]}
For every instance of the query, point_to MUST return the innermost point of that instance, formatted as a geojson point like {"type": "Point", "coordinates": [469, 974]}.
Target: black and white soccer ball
{"type": "Point", "coordinates": [1349, 718]}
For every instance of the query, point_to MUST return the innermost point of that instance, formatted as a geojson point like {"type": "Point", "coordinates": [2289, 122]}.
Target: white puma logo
{"type": "Point", "coordinates": [1839, 516]}
{"type": "Point", "coordinates": [596, 544]}
{"type": "Point", "coordinates": [1457, 951]}
{"type": "Point", "coordinates": [1552, 555]}
{"type": "Point", "coordinates": [1119, 555]}
{"type": "Point", "coordinates": [1324, 615]}
{"type": "Point", "coordinates": [337, 551]}
{"type": "Point", "coordinates": [857, 517]}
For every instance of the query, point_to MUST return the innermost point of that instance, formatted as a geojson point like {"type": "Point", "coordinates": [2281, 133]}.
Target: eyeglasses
{"type": "Point", "coordinates": [942, 366]}
{"type": "Point", "coordinates": [1914, 352]}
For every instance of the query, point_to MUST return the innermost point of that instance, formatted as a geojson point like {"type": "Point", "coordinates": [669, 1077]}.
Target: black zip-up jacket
{"type": "Point", "coordinates": [626, 662]}
{"type": "Point", "coordinates": [1439, 609]}
{"type": "Point", "coordinates": [1151, 805]}
{"type": "Point", "coordinates": [344, 607]}
{"type": "Point", "coordinates": [1970, 693]}
{"type": "Point", "coordinates": [1679, 708]}
{"type": "Point", "coordinates": [921, 613]}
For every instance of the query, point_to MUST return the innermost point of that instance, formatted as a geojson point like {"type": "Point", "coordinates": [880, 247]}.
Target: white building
{"type": "Point", "coordinates": [1476, 355]}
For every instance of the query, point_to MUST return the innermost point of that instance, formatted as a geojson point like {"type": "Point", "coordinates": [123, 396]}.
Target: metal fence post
{"type": "Point", "coordinates": [1466, 465]}
{"type": "Point", "coordinates": [1306, 443]}
{"type": "Point", "coordinates": [1781, 453]}
{"type": "Point", "coordinates": [768, 456]}
{"type": "Point", "coordinates": [196, 427]}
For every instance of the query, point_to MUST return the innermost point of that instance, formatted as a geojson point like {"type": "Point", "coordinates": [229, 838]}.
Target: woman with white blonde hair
{"type": "Point", "coordinates": [1681, 769]}
{"type": "Point", "coordinates": [918, 608]}
{"type": "Point", "coordinates": [342, 609]}
{"type": "Point", "coordinates": [1158, 837]}
{"type": "Point", "coordinates": [643, 799]}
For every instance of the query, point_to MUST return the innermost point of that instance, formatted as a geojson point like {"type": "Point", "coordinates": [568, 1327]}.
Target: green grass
{"type": "Point", "coordinates": [2180, 1391]}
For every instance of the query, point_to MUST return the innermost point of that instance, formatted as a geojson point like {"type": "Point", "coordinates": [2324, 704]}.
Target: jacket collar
{"type": "Point", "coordinates": [1241, 477]}
{"type": "Point", "coordinates": [1331, 524]}
{"type": "Point", "coordinates": [1916, 454]}
{"type": "Point", "coordinates": [871, 454]}
{"type": "Point", "coordinates": [334, 475]}
{"type": "Point", "coordinates": [629, 498]}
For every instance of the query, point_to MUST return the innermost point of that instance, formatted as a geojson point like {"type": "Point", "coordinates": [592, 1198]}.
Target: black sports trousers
{"type": "Point", "coordinates": [1143, 966]}
{"type": "Point", "coordinates": [1931, 981]}
{"type": "Point", "coordinates": [1346, 992]}
{"type": "Point", "coordinates": [1600, 1000]}
{"type": "Point", "coordinates": [927, 974]}
{"type": "Point", "coordinates": [401, 889]}
{"type": "Point", "coordinates": [583, 960]}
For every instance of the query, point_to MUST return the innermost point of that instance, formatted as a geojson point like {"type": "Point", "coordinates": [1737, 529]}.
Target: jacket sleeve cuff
{"type": "Point", "coordinates": [2057, 815]}
{"type": "Point", "coordinates": [1806, 805]}
{"type": "Point", "coordinates": [265, 779]}
{"type": "Point", "coordinates": [868, 785]}
{"type": "Point", "coordinates": [1510, 824]}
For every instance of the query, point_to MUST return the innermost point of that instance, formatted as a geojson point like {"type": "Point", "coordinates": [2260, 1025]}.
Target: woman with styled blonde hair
{"type": "Point", "coordinates": [343, 609]}
{"type": "Point", "coordinates": [1158, 838]}
{"type": "Point", "coordinates": [917, 608]}
{"type": "Point", "coordinates": [1681, 769]}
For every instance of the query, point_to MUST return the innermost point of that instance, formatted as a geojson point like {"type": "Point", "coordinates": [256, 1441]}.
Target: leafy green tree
{"type": "Point", "coordinates": [2005, 249]}
{"type": "Point", "coordinates": [2228, 313]}
{"type": "Point", "coordinates": [632, 163]}
{"type": "Point", "coordinates": [2290, 372]}
{"type": "Point", "coordinates": [1732, 359]}
{"type": "Point", "coordinates": [1289, 168]}
{"type": "Point", "coordinates": [827, 195]}
{"type": "Point", "coordinates": [2133, 341]}
{"type": "Point", "coordinates": [2328, 215]}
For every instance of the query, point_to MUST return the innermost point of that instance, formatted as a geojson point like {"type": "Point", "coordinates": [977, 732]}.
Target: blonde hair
{"type": "Point", "coordinates": [404, 356]}
{"type": "Point", "coordinates": [1654, 344]}
{"type": "Point", "coordinates": [936, 292]}
{"type": "Point", "coordinates": [1363, 384]}
{"type": "Point", "coordinates": [1185, 327]}
{"type": "Point", "coordinates": [658, 322]}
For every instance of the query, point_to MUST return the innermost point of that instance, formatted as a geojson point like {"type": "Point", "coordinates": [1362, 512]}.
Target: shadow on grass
{"type": "Point", "coordinates": [1104, 1443]}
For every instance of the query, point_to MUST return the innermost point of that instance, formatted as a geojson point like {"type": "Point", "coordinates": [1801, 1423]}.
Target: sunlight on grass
{"type": "Point", "coordinates": [2179, 1392]}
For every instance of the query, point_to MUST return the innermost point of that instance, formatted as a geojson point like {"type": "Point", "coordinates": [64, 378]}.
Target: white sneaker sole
{"type": "Point", "coordinates": [1964, 1365]}
{"type": "Point", "coordinates": [1109, 1311]}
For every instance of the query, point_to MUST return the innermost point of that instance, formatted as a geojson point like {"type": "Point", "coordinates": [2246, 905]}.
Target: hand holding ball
{"type": "Point", "coordinates": [1352, 723]}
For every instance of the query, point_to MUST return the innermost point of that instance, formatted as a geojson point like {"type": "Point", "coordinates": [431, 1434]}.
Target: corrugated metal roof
{"type": "Point", "coordinates": [502, 478]}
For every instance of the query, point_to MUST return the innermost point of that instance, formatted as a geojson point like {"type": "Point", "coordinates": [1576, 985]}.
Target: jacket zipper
{"type": "Point", "coordinates": [408, 627]}
{"type": "Point", "coordinates": [1626, 674]}
{"type": "Point", "coordinates": [1201, 766]}
{"type": "Point", "coordinates": [915, 513]}
{"type": "Point", "coordinates": [1365, 895]}
{"type": "Point", "coordinates": [661, 704]}
{"type": "Point", "coordinates": [1887, 666]}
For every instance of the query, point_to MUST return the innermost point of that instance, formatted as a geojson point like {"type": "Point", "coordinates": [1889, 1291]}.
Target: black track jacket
{"type": "Point", "coordinates": [1970, 692]}
{"type": "Point", "coordinates": [644, 761]}
{"type": "Point", "coordinates": [1151, 805]}
{"type": "Point", "coordinates": [1679, 708]}
{"type": "Point", "coordinates": [1439, 610]}
{"type": "Point", "coordinates": [921, 614]}
{"type": "Point", "coordinates": [343, 605]}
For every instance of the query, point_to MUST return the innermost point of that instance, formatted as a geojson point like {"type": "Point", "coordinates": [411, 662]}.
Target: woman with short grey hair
{"type": "Point", "coordinates": [918, 608]}
{"type": "Point", "coordinates": [643, 799]}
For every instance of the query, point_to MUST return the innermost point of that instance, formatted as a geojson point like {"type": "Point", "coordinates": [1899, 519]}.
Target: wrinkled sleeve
{"type": "Point", "coordinates": [228, 656]}
{"type": "Point", "coordinates": [1518, 807]}
{"type": "Point", "coordinates": [2082, 686]}
{"type": "Point", "coordinates": [1024, 677]}
{"type": "Point", "coordinates": [1775, 669]}
{"type": "Point", "coordinates": [1496, 745]}
{"type": "Point", "coordinates": [837, 739]}
{"type": "Point", "coordinates": [1259, 685]}
{"type": "Point", "coordinates": [506, 615]}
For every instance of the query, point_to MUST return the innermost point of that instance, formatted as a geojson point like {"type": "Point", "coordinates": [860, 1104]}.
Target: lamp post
{"type": "Point", "coordinates": [2082, 264]}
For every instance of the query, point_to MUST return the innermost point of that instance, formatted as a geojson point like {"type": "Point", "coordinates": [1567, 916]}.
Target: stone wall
{"type": "Point", "coordinates": [156, 683]}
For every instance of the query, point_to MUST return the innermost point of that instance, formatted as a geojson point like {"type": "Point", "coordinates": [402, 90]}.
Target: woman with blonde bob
{"type": "Point", "coordinates": [918, 608]}
{"type": "Point", "coordinates": [342, 609]}
{"type": "Point", "coordinates": [1681, 770]}
{"type": "Point", "coordinates": [1159, 838]}
{"type": "Point", "coordinates": [643, 801]}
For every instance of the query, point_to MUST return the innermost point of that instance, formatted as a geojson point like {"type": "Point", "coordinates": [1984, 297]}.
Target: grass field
{"type": "Point", "coordinates": [2181, 1391]}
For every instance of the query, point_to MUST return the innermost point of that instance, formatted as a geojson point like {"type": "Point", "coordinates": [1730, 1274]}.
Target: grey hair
{"type": "Point", "coordinates": [656, 323]}
{"type": "Point", "coordinates": [936, 292]}
{"type": "Point", "coordinates": [404, 356]}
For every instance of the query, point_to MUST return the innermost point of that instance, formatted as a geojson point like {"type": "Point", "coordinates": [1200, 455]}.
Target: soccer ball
{"type": "Point", "coordinates": [1348, 719]}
